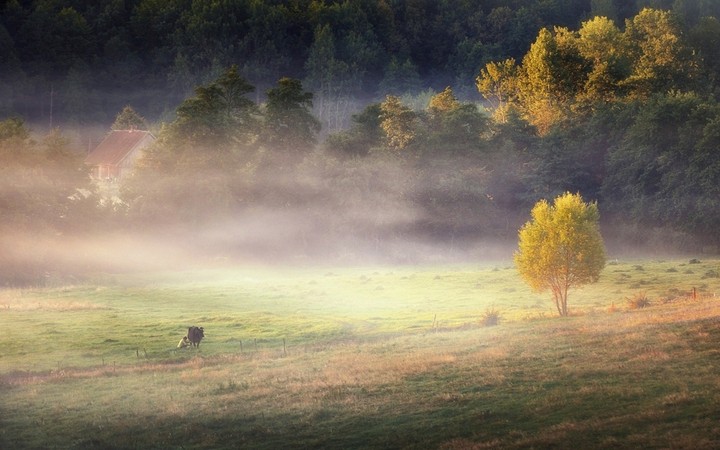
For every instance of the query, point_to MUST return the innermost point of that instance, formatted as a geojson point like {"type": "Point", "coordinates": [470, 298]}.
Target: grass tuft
{"type": "Point", "coordinates": [711, 274]}
{"type": "Point", "coordinates": [490, 318]}
{"type": "Point", "coordinates": [638, 301]}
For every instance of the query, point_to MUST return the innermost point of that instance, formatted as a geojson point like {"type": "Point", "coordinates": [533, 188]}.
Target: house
{"type": "Point", "coordinates": [116, 155]}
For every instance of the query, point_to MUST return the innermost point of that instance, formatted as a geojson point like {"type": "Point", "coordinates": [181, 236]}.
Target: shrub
{"type": "Point", "coordinates": [711, 274]}
{"type": "Point", "coordinates": [490, 318]}
{"type": "Point", "coordinates": [639, 300]}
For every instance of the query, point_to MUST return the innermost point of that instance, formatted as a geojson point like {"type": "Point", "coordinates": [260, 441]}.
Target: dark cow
{"type": "Point", "coordinates": [195, 335]}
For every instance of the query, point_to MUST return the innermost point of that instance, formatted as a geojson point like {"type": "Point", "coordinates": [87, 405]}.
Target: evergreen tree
{"type": "Point", "coordinates": [290, 127]}
{"type": "Point", "coordinates": [129, 119]}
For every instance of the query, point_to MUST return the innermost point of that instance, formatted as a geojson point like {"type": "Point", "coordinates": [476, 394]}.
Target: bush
{"type": "Point", "coordinates": [711, 274]}
{"type": "Point", "coordinates": [639, 300]}
{"type": "Point", "coordinates": [490, 318]}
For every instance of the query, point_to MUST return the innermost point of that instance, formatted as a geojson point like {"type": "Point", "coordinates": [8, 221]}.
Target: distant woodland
{"type": "Point", "coordinates": [456, 116]}
{"type": "Point", "coordinates": [93, 58]}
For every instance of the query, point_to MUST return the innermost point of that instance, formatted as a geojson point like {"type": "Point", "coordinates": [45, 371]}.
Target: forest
{"type": "Point", "coordinates": [307, 130]}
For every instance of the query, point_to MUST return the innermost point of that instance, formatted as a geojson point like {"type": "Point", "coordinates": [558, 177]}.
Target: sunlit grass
{"type": "Point", "coordinates": [373, 357]}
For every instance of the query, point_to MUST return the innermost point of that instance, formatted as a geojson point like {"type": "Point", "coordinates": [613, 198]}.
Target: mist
{"type": "Point", "coordinates": [324, 211]}
{"type": "Point", "coordinates": [384, 208]}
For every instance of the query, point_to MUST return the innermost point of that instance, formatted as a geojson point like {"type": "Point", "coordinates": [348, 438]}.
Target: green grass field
{"type": "Point", "coordinates": [375, 357]}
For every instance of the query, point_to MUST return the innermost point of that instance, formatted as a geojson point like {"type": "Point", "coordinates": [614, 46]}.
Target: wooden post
{"type": "Point", "coordinates": [284, 348]}
{"type": "Point", "coordinates": [694, 294]}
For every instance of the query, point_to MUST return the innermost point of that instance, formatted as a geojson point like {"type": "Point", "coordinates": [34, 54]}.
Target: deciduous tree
{"type": "Point", "coordinates": [498, 83]}
{"type": "Point", "coordinates": [561, 247]}
{"type": "Point", "coordinates": [601, 43]}
{"type": "Point", "coordinates": [454, 127]}
{"type": "Point", "coordinates": [398, 122]}
{"type": "Point", "coordinates": [661, 59]}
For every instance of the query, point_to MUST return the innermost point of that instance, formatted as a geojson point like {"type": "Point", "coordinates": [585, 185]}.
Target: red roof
{"type": "Point", "coordinates": [116, 146]}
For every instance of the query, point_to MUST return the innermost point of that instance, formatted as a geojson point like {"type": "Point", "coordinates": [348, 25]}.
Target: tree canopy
{"type": "Point", "coordinates": [150, 54]}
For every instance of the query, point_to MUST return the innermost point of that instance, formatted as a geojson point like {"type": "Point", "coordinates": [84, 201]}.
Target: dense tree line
{"type": "Point", "coordinates": [625, 116]}
{"type": "Point", "coordinates": [88, 59]}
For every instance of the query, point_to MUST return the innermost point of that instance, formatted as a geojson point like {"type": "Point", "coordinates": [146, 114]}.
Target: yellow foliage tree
{"type": "Point", "coordinates": [397, 121]}
{"type": "Point", "coordinates": [561, 247]}
{"type": "Point", "coordinates": [498, 83]}
{"type": "Point", "coordinates": [660, 57]}
{"type": "Point", "coordinates": [443, 103]}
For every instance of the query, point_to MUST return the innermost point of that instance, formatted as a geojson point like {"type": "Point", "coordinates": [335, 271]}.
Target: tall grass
{"type": "Point", "coordinates": [408, 365]}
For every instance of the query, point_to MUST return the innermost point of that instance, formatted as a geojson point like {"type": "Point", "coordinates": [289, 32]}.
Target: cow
{"type": "Point", "coordinates": [195, 335]}
{"type": "Point", "coordinates": [184, 342]}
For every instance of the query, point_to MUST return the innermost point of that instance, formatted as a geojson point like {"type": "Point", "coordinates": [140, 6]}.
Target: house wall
{"type": "Point", "coordinates": [109, 171]}
{"type": "Point", "coordinates": [128, 164]}
{"type": "Point", "coordinates": [105, 171]}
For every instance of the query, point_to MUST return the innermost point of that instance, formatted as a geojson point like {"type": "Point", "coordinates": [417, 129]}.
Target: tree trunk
{"type": "Point", "coordinates": [558, 301]}
{"type": "Point", "coordinates": [560, 296]}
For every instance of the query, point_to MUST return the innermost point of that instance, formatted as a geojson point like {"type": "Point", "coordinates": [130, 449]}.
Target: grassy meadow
{"type": "Point", "coordinates": [373, 357]}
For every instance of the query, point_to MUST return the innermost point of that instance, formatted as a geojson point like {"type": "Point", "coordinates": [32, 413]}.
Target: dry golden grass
{"type": "Point", "coordinates": [16, 300]}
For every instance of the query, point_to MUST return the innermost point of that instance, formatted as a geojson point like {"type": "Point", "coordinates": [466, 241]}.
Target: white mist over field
{"type": "Point", "coordinates": [358, 212]}
{"type": "Point", "coordinates": [378, 209]}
